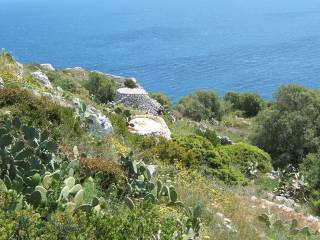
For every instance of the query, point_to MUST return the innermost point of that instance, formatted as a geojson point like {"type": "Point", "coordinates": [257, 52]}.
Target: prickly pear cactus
{"type": "Point", "coordinates": [26, 154]}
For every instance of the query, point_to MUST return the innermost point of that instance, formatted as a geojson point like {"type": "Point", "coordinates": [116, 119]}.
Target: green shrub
{"type": "Point", "coordinates": [250, 103]}
{"type": "Point", "coordinates": [102, 87]}
{"type": "Point", "coordinates": [243, 155]}
{"type": "Point", "coordinates": [233, 163]}
{"type": "Point", "coordinates": [119, 124]}
{"type": "Point", "coordinates": [197, 144]}
{"type": "Point", "coordinates": [202, 105]}
{"type": "Point", "coordinates": [167, 151]}
{"type": "Point", "coordinates": [210, 135]}
{"type": "Point", "coordinates": [163, 99]}
{"type": "Point", "coordinates": [141, 223]}
{"type": "Point", "coordinates": [129, 83]}
{"type": "Point", "coordinates": [66, 82]}
{"type": "Point", "coordinates": [231, 176]}
{"type": "Point", "coordinates": [40, 112]}
{"type": "Point", "coordinates": [170, 152]}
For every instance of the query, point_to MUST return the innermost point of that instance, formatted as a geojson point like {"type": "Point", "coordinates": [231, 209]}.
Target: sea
{"type": "Point", "coordinates": [172, 46]}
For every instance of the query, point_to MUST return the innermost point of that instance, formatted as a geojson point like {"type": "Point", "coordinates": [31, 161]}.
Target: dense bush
{"type": "Point", "coordinates": [290, 130]}
{"type": "Point", "coordinates": [130, 83]}
{"type": "Point", "coordinates": [232, 163]}
{"type": "Point", "coordinates": [242, 156]}
{"type": "Point", "coordinates": [170, 152]}
{"type": "Point", "coordinates": [102, 87]}
{"type": "Point", "coordinates": [202, 105]}
{"type": "Point", "coordinates": [163, 99]}
{"type": "Point", "coordinates": [197, 144]}
{"type": "Point", "coordinates": [250, 103]}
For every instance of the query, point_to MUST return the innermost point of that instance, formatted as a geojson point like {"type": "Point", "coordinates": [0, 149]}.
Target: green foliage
{"type": "Point", "coordinates": [101, 86]}
{"type": "Point", "coordinates": [163, 99]}
{"type": "Point", "coordinates": [290, 130]}
{"type": "Point", "coordinates": [40, 112]}
{"type": "Point", "coordinates": [230, 163]}
{"type": "Point", "coordinates": [199, 145]}
{"type": "Point", "coordinates": [65, 81]}
{"type": "Point", "coordinates": [143, 185]}
{"type": "Point", "coordinates": [140, 223]}
{"type": "Point", "coordinates": [210, 135]}
{"type": "Point", "coordinates": [170, 152]}
{"type": "Point", "coordinates": [310, 168]}
{"type": "Point", "coordinates": [119, 124]}
{"type": "Point", "coordinates": [233, 164]}
{"type": "Point", "coordinates": [243, 155]}
{"type": "Point", "coordinates": [250, 103]}
{"type": "Point", "coordinates": [202, 105]}
{"type": "Point", "coordinates": [130, 83]}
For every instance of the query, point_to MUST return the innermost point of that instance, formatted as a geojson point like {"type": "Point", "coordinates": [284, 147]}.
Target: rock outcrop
{"type": "Point", "coordinates": [42, 78]}
{"type": "Point", "coordinates": [138, 98]}
{"type": "Point", "coordinates": [149, 125]}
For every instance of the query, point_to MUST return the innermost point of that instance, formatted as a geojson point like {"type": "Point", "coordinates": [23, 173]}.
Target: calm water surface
{"type": "Point", "coordinates": [174, 46]}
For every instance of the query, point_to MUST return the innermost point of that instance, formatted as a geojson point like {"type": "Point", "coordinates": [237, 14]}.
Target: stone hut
{"type": "Point", "coordinates": [138, 98]}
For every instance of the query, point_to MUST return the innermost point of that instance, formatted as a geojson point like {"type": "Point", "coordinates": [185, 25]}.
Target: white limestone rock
{"type": "Point", "coordinates": [42, 78]}
{"type": "Point", "coordinates": [149, 125]}
{"type": "Point", "coordinates": [76, 103]}
{"type": "Point", "coordinates": [99, 125]}
{"type": "Point", "coordinates": [47, 66]}
{"type": "Point", "coordinates": [1, 83]}
{"type": "Point", "coordinates": [75, 69]}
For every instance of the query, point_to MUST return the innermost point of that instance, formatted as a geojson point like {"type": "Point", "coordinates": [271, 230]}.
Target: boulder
{"type": "Point", "coordinates": [1, 83]}
{"type": "Point", "coordinates": [47, 67]}
{"type": "Point", "coordinates": [42, 78]}
{"type": "Point", "coordinates": [149, 125]}
{"type": "Point", "coordinates": [99, 125]}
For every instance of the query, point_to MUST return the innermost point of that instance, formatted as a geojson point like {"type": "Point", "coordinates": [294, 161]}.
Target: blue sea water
{"type": "Point", "coordinates": [173, 46]}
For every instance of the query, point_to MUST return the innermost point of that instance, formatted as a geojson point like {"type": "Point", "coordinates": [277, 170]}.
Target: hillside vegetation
{"type": "Point", "coordinates": [61, 178]}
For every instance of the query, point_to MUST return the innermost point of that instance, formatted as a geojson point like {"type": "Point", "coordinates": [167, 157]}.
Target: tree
{"type": "Point", "coordinates": [291, 129]}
